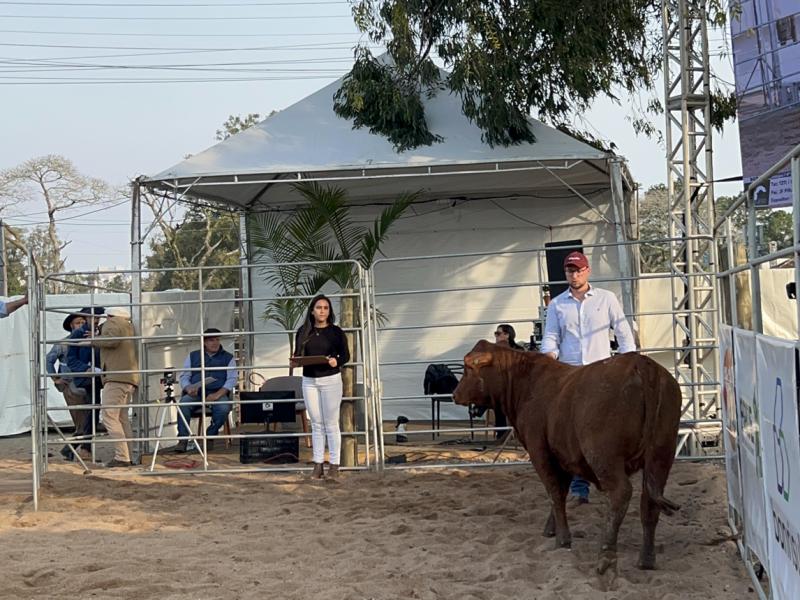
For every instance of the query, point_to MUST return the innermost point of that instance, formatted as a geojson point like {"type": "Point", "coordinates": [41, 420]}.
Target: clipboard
{"type": "Point", "coordinates": [303, 361]}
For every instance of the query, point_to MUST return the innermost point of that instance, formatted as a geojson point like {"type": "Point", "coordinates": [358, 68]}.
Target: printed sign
{"type": "Point", "coordinates": [755, 511]}
{"type": "Point", "coordinates": [730, 423]}
{"type": "Point", "coordinates": [777, 389]}
{"type": "Point", "coordinates": [765, 38]}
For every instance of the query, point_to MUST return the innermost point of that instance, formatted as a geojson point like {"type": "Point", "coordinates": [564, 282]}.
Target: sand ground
{"type": "Point", "coordinates": [426, 534]}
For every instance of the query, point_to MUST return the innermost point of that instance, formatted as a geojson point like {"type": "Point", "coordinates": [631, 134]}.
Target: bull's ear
{"type": "Point", "coordinates": [478, 359]}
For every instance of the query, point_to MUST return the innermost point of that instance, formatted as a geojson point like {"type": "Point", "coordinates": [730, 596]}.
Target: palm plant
{"type": "Point", "coordinates": [328, 243]}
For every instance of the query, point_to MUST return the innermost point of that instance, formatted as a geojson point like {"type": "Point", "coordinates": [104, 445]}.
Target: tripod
{"type": "Point", "coordinates": [169, 398]}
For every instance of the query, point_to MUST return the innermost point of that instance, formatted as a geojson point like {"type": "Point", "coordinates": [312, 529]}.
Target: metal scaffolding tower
{"type": "Point", "coordinates": [691, 206]}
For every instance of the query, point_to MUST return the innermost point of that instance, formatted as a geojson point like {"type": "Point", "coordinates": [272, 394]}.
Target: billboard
{"type": "Point", "coordinates": [766, 53]}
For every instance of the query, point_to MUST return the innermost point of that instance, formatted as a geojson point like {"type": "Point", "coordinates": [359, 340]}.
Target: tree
{"type": "Point", "coordinates": [235, 124]}
{"type": "Point", "coordinates": [201, 237]}
{"type": "Point", "coordinates": [654, 225]}
{"type": "Point", "coordinates": [771, 225]}
{"type": "Point", "coordinates": [55, 181]}
{"type": "Point", "coordinates": [320, 231]}
{"type": "Point", "coordinates": [505, 59]}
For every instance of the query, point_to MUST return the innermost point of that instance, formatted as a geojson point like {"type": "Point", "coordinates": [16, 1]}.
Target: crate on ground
{"type": "Point", "coordinates": [274, 450]}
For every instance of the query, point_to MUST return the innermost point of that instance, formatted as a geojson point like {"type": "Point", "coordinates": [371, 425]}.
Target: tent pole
{"type": "Point", "coordinates": [142, 417]}
{"type": "Point", "coordinates": [623, 250]}
{"type": "Point", "coordinates": [246, 320]}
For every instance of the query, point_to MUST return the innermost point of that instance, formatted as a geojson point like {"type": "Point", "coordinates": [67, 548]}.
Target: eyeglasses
{"type": "Point", "coordinates": [496, 333]}
{"type": "Point", "coordinates": [575, 271]}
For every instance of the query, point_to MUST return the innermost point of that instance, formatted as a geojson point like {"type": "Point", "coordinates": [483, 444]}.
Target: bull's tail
{"type": "Point", "coordinates": [662, 416]}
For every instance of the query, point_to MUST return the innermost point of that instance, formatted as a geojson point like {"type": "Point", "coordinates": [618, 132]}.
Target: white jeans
{"type": "Point", "coordinates": [323, 397]}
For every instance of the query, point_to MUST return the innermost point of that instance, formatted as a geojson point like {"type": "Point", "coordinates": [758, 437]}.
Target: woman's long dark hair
{"type": "Point", "coordinates": [512, 335]}
{"type": "Point", "coordinates": [309, 323]}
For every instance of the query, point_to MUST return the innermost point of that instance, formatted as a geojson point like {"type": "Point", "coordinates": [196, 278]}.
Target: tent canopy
{"type": "Point", "coordinates": [308, 141]}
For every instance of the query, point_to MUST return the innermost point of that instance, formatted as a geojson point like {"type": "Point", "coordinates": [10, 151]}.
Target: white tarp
{"type": "Point", "coordinates": [755, 522]}
{"type": "Point", "coordinates": [780, 434]}
{"type": "Point", "coordinates": [15, 408]}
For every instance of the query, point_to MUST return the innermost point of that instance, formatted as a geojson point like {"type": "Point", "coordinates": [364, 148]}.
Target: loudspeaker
{"type": "Point", "coordinates": [555, 255]}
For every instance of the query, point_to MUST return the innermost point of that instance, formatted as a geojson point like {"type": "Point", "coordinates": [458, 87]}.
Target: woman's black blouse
{"type": "Point", "coordinates": [329, 341]}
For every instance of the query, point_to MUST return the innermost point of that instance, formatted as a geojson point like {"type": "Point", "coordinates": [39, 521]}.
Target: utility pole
{"type": "Point", "coordinates": [687, 104]}
{"type": "Point", "coordinates": [3, 261]}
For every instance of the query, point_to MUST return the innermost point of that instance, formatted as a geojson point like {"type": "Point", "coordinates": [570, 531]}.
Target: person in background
{"type": "Point", "coordinates": [83, 358]}
{"type": "Point", "coordinates": [504, 335]}
{"type": "Point", "coordinates": [73, 395]}
{"type": "Point", "coordinates": [322, 383]}
{"type": "Point", "coordinates": [217, 392]}
{"type": "Point", "coordinates": [9, 306]}
{"type": "Point", "coordinates": [118, 388]}
{"type": "Point", "coordinates": [576, 331]}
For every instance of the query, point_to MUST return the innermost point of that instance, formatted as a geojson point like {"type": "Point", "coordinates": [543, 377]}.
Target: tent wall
{"type": "Point", "coordinates": [440, 227]}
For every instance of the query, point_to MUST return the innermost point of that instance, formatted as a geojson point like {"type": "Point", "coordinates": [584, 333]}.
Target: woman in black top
{"type": "Point", "coordinates": [322, 383]}
{"type": "Point", "coordinates": [504, 335]}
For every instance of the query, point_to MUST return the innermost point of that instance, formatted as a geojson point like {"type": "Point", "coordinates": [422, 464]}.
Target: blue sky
{"type": "Point", "coordinates": [119, 130]}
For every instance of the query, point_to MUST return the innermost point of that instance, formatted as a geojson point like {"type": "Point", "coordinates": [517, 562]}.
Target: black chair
{"type": "Point", "coordinates": [439, 383]}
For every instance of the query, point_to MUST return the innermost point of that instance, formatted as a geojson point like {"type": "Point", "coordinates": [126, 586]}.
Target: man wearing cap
{"type": "Point", "coordinates": [576, 331]}
{"type": "Point", "coordinates": [9, 306]}
{"type": "Point", "coordinates": [73, 395]}
{"type": "Point", "coordinates": [220, 379]}
{"type": "Point", "coordinates": [82, 358]}
{"type": "Point", "coordinates": [116, 357]}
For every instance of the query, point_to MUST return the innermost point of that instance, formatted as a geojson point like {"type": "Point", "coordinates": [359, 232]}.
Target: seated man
{"type": "Point", "coordinates": [219, 384]}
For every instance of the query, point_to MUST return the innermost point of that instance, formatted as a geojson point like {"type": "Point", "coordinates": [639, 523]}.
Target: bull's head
{"type": "Point", "coordinates": [473, 390]}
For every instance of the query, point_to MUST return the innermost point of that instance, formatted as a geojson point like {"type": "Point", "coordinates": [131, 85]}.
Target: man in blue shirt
{"type": "Point", "coordinates": [220, 380]}
{"type": "Point", "coordinates": [73, 395]}
{"type": "Point", "coordinates": [8, 307]}
{"type": "Point", "coordinates": [83, 358]}
{"type": "Point", "coordinates": [576, 331]}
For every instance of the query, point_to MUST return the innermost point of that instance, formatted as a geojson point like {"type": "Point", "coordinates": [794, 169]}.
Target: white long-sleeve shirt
{"type": "Point", "coordinates": [577, 332]}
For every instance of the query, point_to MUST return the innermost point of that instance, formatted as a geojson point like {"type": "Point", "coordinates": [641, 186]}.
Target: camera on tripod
{"type": "Point", "coordinates": [168, 381]}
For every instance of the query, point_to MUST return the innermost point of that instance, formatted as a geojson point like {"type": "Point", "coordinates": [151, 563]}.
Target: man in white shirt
{"type": "Point", "coordinates": [576, 331]}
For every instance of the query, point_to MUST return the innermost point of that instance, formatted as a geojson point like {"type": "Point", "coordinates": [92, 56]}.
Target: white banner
{"type": "Point", "coordinates": [755, 512]}
{"type": "Point", "coordinates": [730, 422]}
{"type": "Point", "coordinates": [777, 391]}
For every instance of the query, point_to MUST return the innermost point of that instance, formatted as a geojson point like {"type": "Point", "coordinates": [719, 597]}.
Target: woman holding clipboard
{"type": "Point", "coordinates": [321, 349]}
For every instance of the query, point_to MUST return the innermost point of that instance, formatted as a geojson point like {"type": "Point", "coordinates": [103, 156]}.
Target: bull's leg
{"type": "Point", "coordinates": [619, 495]}
{"type": "Point", "coordinates": [650, 513]}
{"type": "Point", "coordinates": [550, 526]}
{"type": "Point", "coordinates": [556, 482]}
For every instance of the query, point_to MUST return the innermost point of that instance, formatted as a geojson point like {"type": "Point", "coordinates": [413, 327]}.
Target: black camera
{"type": "Point", "coordinates": [169, 378]}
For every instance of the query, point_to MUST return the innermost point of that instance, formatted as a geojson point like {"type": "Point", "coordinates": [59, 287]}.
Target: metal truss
{"type": "Point", "coordinates": [691, 205]}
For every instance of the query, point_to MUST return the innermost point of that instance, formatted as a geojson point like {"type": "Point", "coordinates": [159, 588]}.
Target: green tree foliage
{"type": "Point", "coordinates": [236, 123]}
{"type": "Point", "coordinates": [201, 237]}
{"type": "Point", "coordinates": [504, 59]}
{"type": "Point", "coordinates": [320, 231]}
{"type": "Point", "coordinates": [772, 226]}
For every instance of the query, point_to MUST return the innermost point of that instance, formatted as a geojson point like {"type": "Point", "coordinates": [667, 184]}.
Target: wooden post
{"type": "Point", "coordinates": [348, 411]}
{"type": "Point", "coordinates": [744, 303]}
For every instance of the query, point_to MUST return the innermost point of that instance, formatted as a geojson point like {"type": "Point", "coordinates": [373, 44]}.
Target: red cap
{"type": "Point", "coordinates": [576, 260]}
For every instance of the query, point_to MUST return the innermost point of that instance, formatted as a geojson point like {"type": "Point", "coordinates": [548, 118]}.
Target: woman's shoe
{"type": "Point", "coordinates": [333, 473]}
{"type": "Point", "coordinates": [317, 473]}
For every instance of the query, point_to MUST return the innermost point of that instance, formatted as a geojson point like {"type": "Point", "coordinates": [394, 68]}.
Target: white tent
{"type": "Point", "coordinates": [474, 198]}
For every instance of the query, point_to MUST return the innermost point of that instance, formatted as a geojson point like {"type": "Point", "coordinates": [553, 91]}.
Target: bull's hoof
{"type": "Point", "coordinates": [564, 543]}
{"type": "Point", "coordinates": [550, 527]}
{"type": "Point", "coordinates": [607, 560]}
{"type": "Point", "coordinates": [647, 562]}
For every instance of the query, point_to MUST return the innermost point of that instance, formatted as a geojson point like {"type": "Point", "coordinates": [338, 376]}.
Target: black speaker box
{"type": "Point", "coordinates": [555, 256]}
